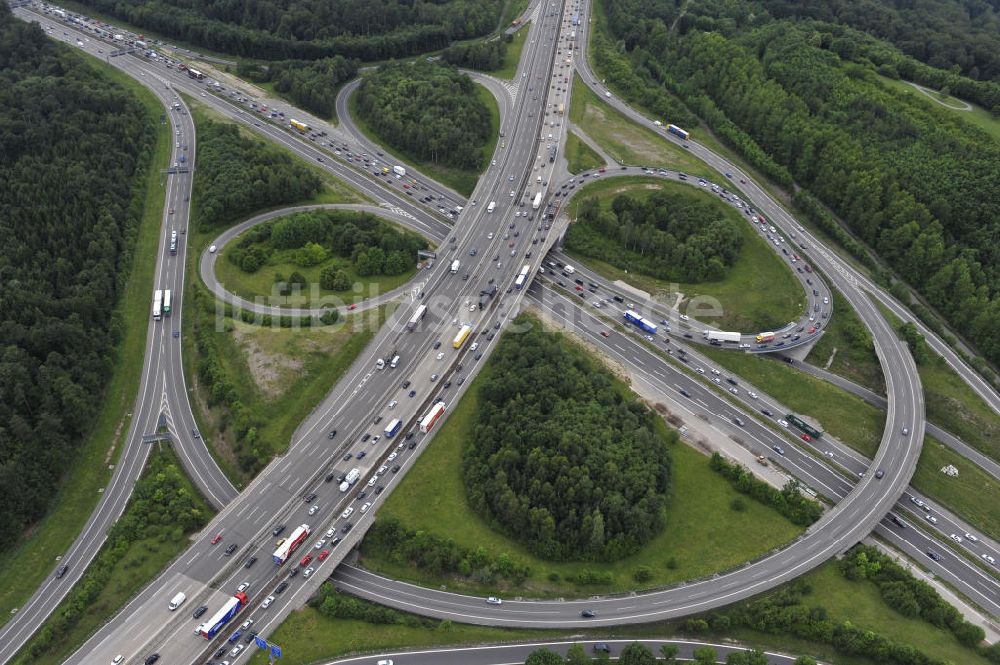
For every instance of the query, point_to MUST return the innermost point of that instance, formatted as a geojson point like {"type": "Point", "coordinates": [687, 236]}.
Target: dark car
{"type": "Point", "coordinates": [602, 647]}
{"type": "Point", "coordinates": [347, 457]}
{"type": "Point", "coordinates": [231, 549]}
{"type": "Point", "coordinates": [332, 434]}
{"type": "Point", "coordinates": [395, 469]}
{"type": "Point", "coordinates": [308, 498]}
{"type": "Point", "coordinates": [362, 494]}
{"type": "Point", "coordinates": [880, 474]}
{"type": "Point", "coordinates": [251, 561]}
{"type": "Point", "coordinates": [61, 570]}
{"type": "Point", "coordinates": [588, 614]}
{"type": "Point", "coordinates": [360, 454]}
{"type": "Point", "coordinates": [222, 650]}
{"type": "Point", "coordinates": [347, 527]}
{"type": "Point", "coordinates": [406, 384]}
{"type": "Point", "coordinates": [934, 555]}
{"type": "Point", "coordinates": [281, 587]}
{"type": "Point", "coordinates": [413, 444]}
{"type": "Point", "coordinates": [198, 612]}
{"type": "Point", "coordinates": [330, 476]}
{"type": "Point", "coordinates": [151, 659]}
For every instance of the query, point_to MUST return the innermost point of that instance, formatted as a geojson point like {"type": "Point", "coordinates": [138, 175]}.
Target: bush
{"type": "Point", "coordinates": [788, 501]}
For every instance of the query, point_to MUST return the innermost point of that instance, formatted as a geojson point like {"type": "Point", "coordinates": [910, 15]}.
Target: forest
{"type": "Point", "coordinates": [74, 151]}
{"type": "Point", "coordinates": [669, 235]}
{"type": "Point", "coordinates": [311, 29]}
{"type": "Point", "coordinates": [373, 246]}
{"type": "Point", "coordinates": [427, 110]}
{"type": "Point", "coordinates": [313, 85]}
{"type": "Point", "coordinates": [562, 459]}
{"type": "Point", "coordinates": [239, 175]}
{"type": "Point", "coordinates": [486, 56]}
{"type": "Point", "coordinates": [801, 101]}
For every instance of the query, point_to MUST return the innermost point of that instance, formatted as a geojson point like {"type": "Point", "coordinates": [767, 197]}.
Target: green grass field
{"type": "Point", "coordinates": [973, 494]}
{"type": "Point", "coordinates": [850, 359]}
{"type": "Point", "coordinates": [509, 68]}
{"type": "Point", "coordinates": [702, 534]}
{"type": "Point", "coordinates": [626, 142]}
{"type": "Point", "coordinates": [978, 116]}
{"type": "Point", "coordinates": [260, 284]}
{"type": "Point", "coordinates": [952, 404]}
{"type": "Point", "coordinates": [579, 155]}
{"type": "Point", "coordinates": [80, 487]}
{"type": "Point", "coordinates": [760, 290]}
{"type": "Point", "coordinates": [141, 563]}
{"type": "Point", "coordinates": [462, 181]}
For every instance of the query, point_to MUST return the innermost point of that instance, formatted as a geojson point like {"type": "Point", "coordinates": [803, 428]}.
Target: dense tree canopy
{"type": "Point", "coordinates": [237, 175]}
{"type": "Point", "coordinates": [428, 110]}
{"type": "Point", "coordinates": [800, 100]}
{"type": "Point", "coordinates": [669, 235]}
{"type": "Point", "coordinates": [561, 458]}
{"type": "Point", "coordinates": [73, 148]}
{"type": "Point", "coordinates": [311, 85]}
{"type": "Point", "coordinates": [311, 29]}
{"type": "Point", "coordinates": [485, 56]}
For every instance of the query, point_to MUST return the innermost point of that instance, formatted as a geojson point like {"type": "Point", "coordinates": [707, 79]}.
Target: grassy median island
{"type": "Point", "coordinates": [316, 257]}
{"type": "Point", "coordinates": [579, 155]}
{"type": "Point", "coordinates": [757, 291]}
{"type": "Point", "coordinates": [706, 525]}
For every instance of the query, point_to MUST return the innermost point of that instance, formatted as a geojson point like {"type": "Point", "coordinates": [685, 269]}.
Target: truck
{"type": "Point", "coordinates": [537, 202]}
{"type": "Point", "coordinates": [803, 425]}
{"type": "Point", "coordinates": [460, 337]}
{"type": "Point", "coordinates": [411, 325]}
{"type": "Point", "coordinates": [351, 478]}
{"type": "Point", "coordinates": [301, 126]}
{"type": "Point", "coordinates": [173, 243]}
{"type": "Point", "coordinates": [291, 543]}
{"type": "Point", "coordinates": [427, 422]}
{"type": "Point", "coordinates": [455, 265]}
{"type": "Point", "coordinates": [399, 170]}
{"type": "Point", "coordinates": [645, 324]}
{"type": "Point", "coordinates": [677, 131]}
{"type": "Point", "coordinates": [765, 337]}
{"type": "Point", "coordinates": [210, 628]}
{"type": "Point", "coordinates": [572, 35]}
{"type": "Point", "coordinates": [562, 109]}
{"type": "Point", "coordinates": [522, 277]}
{"type": "Point", "coordinates": [718, 335]}
{"type": "Point", "coordinates": [167, 300]}
{"type": "Point", "coordinates": [393, 428]}
{"type": "Point", "coordinates": [491, 207]}
{"type": "Point", "coordinates": [157, 305]}
{"type": "Point", "coordinates": [193, 73]}
{"type": "Point", "coordinates": [569, 270]}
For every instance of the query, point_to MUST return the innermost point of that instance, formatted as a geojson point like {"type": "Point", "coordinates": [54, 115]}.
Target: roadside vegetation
{"type": "Point", "coordinates": [164, 510]}
{"type": "Point", "coordinates": [848, 348]}
{"type": "Point", "coordinates": [431, 116]}
{"type": "Point", "coordinates": [579, 155]}
{"type": "Point", "coordinates": [311, 85]}
{"type": "Point", "coordinates": [74, 489]}
{"type": "Point", "coordinates": [707, 525]}
{"type": "Point", "coordinates": [331, 254]}
{"type": "Point", "coordinates": [758, 291]}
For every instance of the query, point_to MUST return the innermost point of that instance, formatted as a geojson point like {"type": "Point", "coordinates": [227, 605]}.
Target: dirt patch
{"type": "Point", "coordinates": [643, 147]}
{"type": "Point", "coordinates": [271, 372]}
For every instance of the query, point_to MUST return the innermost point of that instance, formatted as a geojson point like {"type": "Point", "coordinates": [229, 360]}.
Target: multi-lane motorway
{"type": "Point", "coordinates": [276, 494]}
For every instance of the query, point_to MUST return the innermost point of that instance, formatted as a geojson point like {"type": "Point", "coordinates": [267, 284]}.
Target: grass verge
{"type": "Point", "coordinates": [93, 460]}
{"type": "Point", "coordinates": [625, 141]}
{"type": "Point", "coordinates": [508, 70]}
{"type": "Point", "coordinates": [579, 155]}
{"type": "Point", "coordinates": [148, 548]}
{"type": "Point", "coordinates": [849, 345]}
{"type": "Point", "coordinates": [702, 532]}
{"type": "Point", "coordinates": [462, 181]}
{"type": "Point", "coordinates": [759, 291]}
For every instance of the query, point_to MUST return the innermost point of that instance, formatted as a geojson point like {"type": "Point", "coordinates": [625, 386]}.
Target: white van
{"type": "Point", "coordinates": [491, 207]}
{"type": "Point", "coordinates": [395, 362]}
{"type": "Point", "coordinates": [176, 601]}
{"type": "Point", "coordinates": [380, 364]}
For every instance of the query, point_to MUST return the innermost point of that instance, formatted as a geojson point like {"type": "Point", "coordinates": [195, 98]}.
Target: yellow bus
{"type": "Point", "coordinates": [461, 336]}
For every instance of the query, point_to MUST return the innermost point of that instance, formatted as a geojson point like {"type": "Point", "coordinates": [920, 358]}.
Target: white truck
{"type": "Point", "coordinates": [537, 202]}
{"type": "Point", "coordinates": [720, 336]}
{"type": "Point", "coordinates": [455, 265]}
{"type": "Point", "coordinates": [491, 207]}
{"type": "Point", "coordinates": [399, 170]}
{"type": "Point", "coordinates": [569, 270]}
{"type": "Point", "coordinates": [351, 478]}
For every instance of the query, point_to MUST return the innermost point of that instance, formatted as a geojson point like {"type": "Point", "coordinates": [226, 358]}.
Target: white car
{"type": "Point", "coordinates": [364, 508]}
{"type": "Point", "coordinates": [382, 469]}
{"type": "Point", "coordinates": [392, 455]}
{"type": "Point", "coordinates": [330, 533]}
{"type": "Point", "coordinates": [441, 355]}
{"type": "Point", "coordinates": [314, 510]}
{"type": "Point", "coordinates": [493, 600]}
{"type": "Point", "coordinates": [957, 539]}
{"type": "Point", "coordinates": [475, 345]}
{"type": "Point", "coordinates": [971, 538]}
{"type": "Point", "coordinates": [384, 662]}
{"type": "Point", "coordinates": [752, 395]}
{"type": "Point", "coordinates": [987, 557]}
{"type": "Point", "coordinates": [267, 602]}
{"type": "Point", "coordinates": [371, 483]}
{"type": "Point", "coordinates": [931, 519]}
{"type": "Point", "coordinates": [308, 571]}
{"type": "Point", "coordinates": [783, 423]}
{"type": "Point", "coordinates": [211, 249]}
{"type": "Point", "coordinates": [319, 544]}
{"type": "Point", "coordinates": [236, 651]}
{"type": "Point", "coordinates": [243, 587]}
{"type": "Point", "coordinates": [685, 317]}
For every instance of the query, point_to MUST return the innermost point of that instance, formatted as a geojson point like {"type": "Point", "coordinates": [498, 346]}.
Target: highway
{"type": "Point", "coordinates": [278, 490]}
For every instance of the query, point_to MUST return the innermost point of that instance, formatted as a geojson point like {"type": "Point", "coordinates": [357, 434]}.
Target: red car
{"type": "Point", "coordinates": [806, 438]}
{"type": "Point", "coordinates": [605, 333]}
{"type": "Point", "coordinates": [601, 170]}
{"type": "Point", "coordinates": [217, 538]}
{"type": "Point", "coordinates": [322, 555]}
{"type": "Point", "coordinates": [352, 307]}
{"type": "Point", "coordinates": [811, 330]}
{"type": "Point", "coordinates": [305, 560]}
{"type": "Point", "coordinates": [579, 288]}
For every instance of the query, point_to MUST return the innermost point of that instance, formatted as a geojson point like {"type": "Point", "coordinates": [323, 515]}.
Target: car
{"type": "Point", "coordinates": [493, 600]}
{"type": "Point", "coordinates": [766, 412]}
{"type": "Point", "coordinates": [267, 602]}
{"type": "Point", "coordinates": [778, 449]}
{"type": "Point", "coordinates": [931, 519]}
{"type": "Point", "coordinates": [314, 510]}
{"type": "Point", "coordinates": [384, 662]}
{"type": "Point", "coordinates": [406, 384]}
{"type": "Point", "coordinates": [231, 549]}
{"type": "Point", "coordinates": [989, 559]}
{"type": "Point", "coordinates": [61, 570]}
{"type": "Point", "coordinates": [236, 651]}
{"type": "Point", "coordinates": [783, 423]}
{"type": "Point", "coordinates": [880, 474]}
{"type": "Point", "coordinates": [957, 539]}
{"type": "Point", "coordinates": [308, 498]}
{"type": "Point", "coordinates": [243, 587]}
{"type": "Point", "coordinates": [319, 544]}
{"type": "Point", "coordinates": [934, 555]}
{"type": "Point", "coordinates": [281, 587]}
{"type": "Point", "coordinates": [413, 393]}
{"type": "Point", "coordinates": [306, 560]}
{"type": "Point", "coordinates": [605, 333]}
{"type": "Point", "coordinates": [971, 538]}
{"type": "Point", "coordinates": [322, 555]}
{"type": "Point", "coordinates": [198, 612]}
{"type": "Point", "coordinates": [151, 659]}
{"type": "Point", "coordinates": [117, 659]}
{"type": "Point", "coordinates": [601, 647]}
{"type": "Point", "coordinates": [588, 613]}
{"type": "Point", "coordinates": [235, 636]}
{"type": "Point", "coordinates": [437, 345]}
{"type": "Point", "coordinates": [251, 561]}
{"type": "Point", "coordinates": [905, 431]}
{"type": "Point", "coordinates": [331, 434]}
{"type": "Point", "coordinates": [360, 454]}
